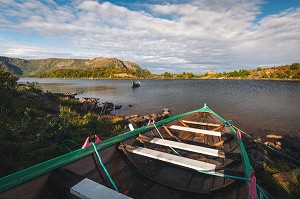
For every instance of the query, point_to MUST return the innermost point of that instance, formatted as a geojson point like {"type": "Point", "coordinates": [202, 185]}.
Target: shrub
{"type": "Point", "coordinates": [8, 83]}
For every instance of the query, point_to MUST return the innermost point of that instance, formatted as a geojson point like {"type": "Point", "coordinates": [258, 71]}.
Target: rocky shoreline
{"type": "Point", "coordinates": [275, 159]}
{"type": "Point", "coordinates": [94, 105]}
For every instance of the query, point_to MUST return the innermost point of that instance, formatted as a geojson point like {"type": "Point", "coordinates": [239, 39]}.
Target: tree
{"type": "Point", "coordinates": [8, 83]}
{"type": "Point", "coordinates": [167, 75]}
{"type": "Point", "coordinates": [295, 66]}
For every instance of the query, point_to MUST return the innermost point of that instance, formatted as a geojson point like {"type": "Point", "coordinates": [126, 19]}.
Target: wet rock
{"type": "Point", "coordinates": [270, 144]}
{"type": "Point", "coordinates": [118, 106]}
{"type": "Point", "coordinates": [147, 117]}
{"type": "Point", "coordinates": [154, 116]}
{"type": "Point", "coordinates": [107, 108]}
{"type": "Point", "coordinates": [276, 137]}
{"type": "Point", "coordinates": [257, 158]}
{"type": "Point", "coordinates": [288, 180]}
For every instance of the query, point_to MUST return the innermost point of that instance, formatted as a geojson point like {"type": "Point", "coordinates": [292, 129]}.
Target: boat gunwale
{"type": "Point", "coordinates": [42, 168]}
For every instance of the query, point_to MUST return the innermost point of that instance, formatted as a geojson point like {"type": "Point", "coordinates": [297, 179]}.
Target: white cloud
{"type": "Point", "coordinates": [196, 35]}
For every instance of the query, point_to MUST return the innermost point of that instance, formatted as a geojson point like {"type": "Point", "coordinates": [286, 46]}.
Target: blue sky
{"type": "Point", "coordinates": [163, 36]}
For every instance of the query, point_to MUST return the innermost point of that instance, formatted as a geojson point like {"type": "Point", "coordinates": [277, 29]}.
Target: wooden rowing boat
{"type": "Point", "coordinates": [191, 155]}
{"type": "Point", "coordinates": [135, 84]}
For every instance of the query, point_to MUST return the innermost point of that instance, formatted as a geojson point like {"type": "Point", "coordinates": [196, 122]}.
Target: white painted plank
{"type": "Point", "coordinates": [174, 159]}
{"type": "Point", "coordinates": [201, 123]}
{"type": "Point", "coordinates": [186, 147]}
{"type": "Point", "coordinates": [194, 130]}
{"type": "Point", "coordinates": [88, 189]}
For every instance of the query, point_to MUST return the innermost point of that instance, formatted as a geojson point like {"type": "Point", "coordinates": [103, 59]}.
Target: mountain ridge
{"type": "Point", "coordinates": [33, 67]}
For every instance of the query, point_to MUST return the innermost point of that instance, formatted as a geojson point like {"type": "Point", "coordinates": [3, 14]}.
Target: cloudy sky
{"type": "Point", "coordinates": [173, 36]}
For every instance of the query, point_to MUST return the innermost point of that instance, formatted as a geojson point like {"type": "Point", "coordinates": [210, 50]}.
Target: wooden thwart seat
{"type": "Point", "coordinates": [201, 123]}
{"type": "Point", "coordinates": [174, 159]}
{"type": "Point", "coordinates": [195, 130]}
{"type": "Point", "coordinates": [184, 146]}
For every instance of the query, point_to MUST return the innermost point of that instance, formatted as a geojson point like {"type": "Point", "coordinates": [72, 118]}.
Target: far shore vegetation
{"type": "Point", "coordinates": [288, 72]}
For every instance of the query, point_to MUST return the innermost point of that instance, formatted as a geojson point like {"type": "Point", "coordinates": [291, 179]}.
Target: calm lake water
{"type": "Point", "coordinates": [257, 107]}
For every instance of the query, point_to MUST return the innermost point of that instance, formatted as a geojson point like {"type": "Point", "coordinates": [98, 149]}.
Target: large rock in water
{"type": "Point", "coordinates": [289, 180]}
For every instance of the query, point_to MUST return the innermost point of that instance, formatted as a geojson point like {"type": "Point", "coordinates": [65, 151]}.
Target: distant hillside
{"type": "Point", "coordinates": [277, 72]}
{"type": "Point", "coordinates": [57, 67]}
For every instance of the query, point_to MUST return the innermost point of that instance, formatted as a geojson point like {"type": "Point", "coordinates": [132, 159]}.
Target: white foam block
{"type": "Point", "coordinates": [88, 189]}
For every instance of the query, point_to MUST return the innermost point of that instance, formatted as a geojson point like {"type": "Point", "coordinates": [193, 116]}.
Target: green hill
{"type": "Point", "coordinates": [86, 68]}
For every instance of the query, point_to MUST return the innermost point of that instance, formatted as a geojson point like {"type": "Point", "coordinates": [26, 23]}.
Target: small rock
{"type": "Point", "coordinates": [118, 106]}
{"type": "Point", "coordinates": [81, 100]}
{"type": "Point", "coordinates": [166, 110]}
{"type": "Point", "coordinates": [154, 116]}
{"type": "Point", "coordinates": [278, 143]}
{"type": "Point", "coordinates": [277, 147]}
{"type": "Point", "coordinates": [164, 116]}
{"type": "Point", "coordinates": [270, 144]}
{"type": "Point", "coordinates": [276, 137]}
{"type": "Point", "coordinates": [147, 117]}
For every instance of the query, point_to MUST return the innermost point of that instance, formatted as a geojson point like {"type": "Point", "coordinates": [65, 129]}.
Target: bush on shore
{"type": "Point", "coordinates": [36, 125]}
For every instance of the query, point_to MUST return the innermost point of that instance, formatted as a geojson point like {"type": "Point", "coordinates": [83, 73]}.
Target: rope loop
{"type": "Point", "coordinates": [104, 168]}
